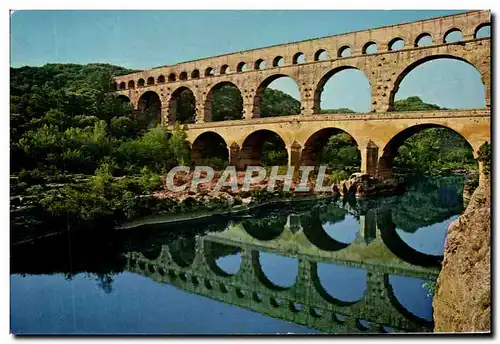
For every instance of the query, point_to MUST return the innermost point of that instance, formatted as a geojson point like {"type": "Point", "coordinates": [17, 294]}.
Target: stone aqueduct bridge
{"type": "Point", "coordinates": [190, 264]}
{"type": "Point", "coordinates": [378, 133]}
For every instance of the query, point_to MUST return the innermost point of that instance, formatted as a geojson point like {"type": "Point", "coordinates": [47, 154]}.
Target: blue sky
{"type": "Point", "coordinates": [145, 39]}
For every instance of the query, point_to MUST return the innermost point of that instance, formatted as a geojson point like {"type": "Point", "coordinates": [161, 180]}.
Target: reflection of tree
{"type": "Point", "coordinates": [426, 202]}
{"type": "Point", "coordinates": [332, 214]}
{"type": "Point", "coordinates": [182, 251]}
{"type": "Point", "coordinates": [217, 250]}
{"type": "Point", "coordinates": [266, 228]}
{"type": "Point", "coordinates": [105, 281]}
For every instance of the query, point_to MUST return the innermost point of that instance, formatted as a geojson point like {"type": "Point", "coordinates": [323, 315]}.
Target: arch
{"type": "Point", "coordinates": [319, 150]}
{"type": "Point", "coordinates": [195, 74]}
{"type": "Point", "coordinates": [422, 40]}
{"type": "Point", "coordinates": [140, 83]}
{"type": "Point", "coordinates": [208, 146]}
{"type": "Point", "coordinates": [390, 150]}
{"type": "Point", "coordinates": [278, 61]}
{"type": "Point", "coordinates": [224, 69]}
{"type": "Point", "coordinates": [321, 55]}
{"type": "Point", "coordinates": [327, 76]}
{"type": "Point", "coordinates": [298, 58]}
{"type": "Point", "coordinates": [258, 107]}
{"type": "Point", "coordinates": [255, 147]}
{"type": "Point", "coordinates": [241, 67]}
{"type": "Point", "coordinates": [221, 258]}
{"type": "Point", "coordinates": [219, 113]}
{"type": "Point", "coordinates": [182, 106]}
{"type": "Point", "coordinates": [414, 65]}
{"type": "Point", "coordinates": [452, 35]}
{"type": "Point", "coordinates": [483, 30]}
{"type": "Point", "coordinates": [183, 251]}
{"type": "Point", "coordinates": [263, 278]}
{"type": "Point", "coordinates": [400, 308]}
{"type": "Point", "coordinates": [209, 72]}
{"type": "Point", "coordinates": [161, 79]}
{"type": "Point", "coordinates": [183, 76]}
{"type": "Point", "coordinates": [150, 81]}
{"type": "Point", "coordinates": [172, 77]}
{"type": "Point", "coordinates": [150, 105]}
{"type": "Point", "coordinates": [322, 290]}
{"type": "Point", "coordinates": [123, 98]}
{"type": "Point", "coordinates": [344, 51]}
{"type": "Point", "coordinates": [396, 44]}
{"type": "Point", "coordinates": [369, 48]}
{"type": "Point", "coordinates": [259, 64]}
{"type": "Point", "coordinates": [122, 85]}
{"type": "Point", "coordinates": [131, 84]}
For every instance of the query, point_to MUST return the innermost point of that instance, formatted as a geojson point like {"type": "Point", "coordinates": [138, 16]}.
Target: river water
{"type": "Point", "coordinates": [329, 266]}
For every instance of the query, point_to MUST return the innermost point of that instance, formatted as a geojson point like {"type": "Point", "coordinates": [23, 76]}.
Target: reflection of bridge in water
{"type": "Point", "coordinates": [190, 264]}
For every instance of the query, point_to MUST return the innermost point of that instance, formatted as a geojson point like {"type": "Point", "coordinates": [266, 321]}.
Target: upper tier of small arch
{"type": "Point", "coordinates": [467, 23]}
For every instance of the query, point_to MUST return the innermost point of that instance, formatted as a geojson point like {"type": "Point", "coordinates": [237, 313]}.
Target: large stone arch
{"type": "Point", "coordinates": [324, 79]}
{"type": "Point", "coordinates": [173, 104]}
{"type": "Point", "coordinates": [151, 103]}
{"type": "Point", "coordinates": [390, 148]}
{"type": "Point", "coordinates": [257, 99]}
{"type": "Point", "coordinates": [420, 61]}
{"type": "Point", "coordinates": [209, 144]}
{"type": "Point", "coordinates": [251, 147]}
{"type": "Point", "coordinates": [318, 140]}
{"type": "Point", "coordinates": [207, 116]}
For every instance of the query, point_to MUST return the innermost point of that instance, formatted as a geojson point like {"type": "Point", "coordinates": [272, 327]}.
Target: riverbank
{"type": "Point", "coordinates": [462, 302]}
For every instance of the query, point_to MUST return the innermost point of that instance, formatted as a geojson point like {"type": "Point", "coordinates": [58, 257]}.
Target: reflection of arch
{"type": "Point", "coordinates": [260, 91]}
{"type": "Point", "coordinates": [450, 31]}
{"type": "Point", "coordinates": [400, 308]}
{"type": "Point", "coordinates": [414, 65]}
{"type": "Point", "coordinates": [189, 105]}
{"type": "Point", "coordinates": [322, 82]}
{"type": "Point", "coordinates": [420, 37]}
{"type": "Point", "coordinates": [314, 232]}
{"type": "Point", "coordinates": [479, 27]}
{"type": "Point", "coordinates": [317, 141]}
{"type": "Point", "coordinates": [254, 144]}
{"type": "Point", "coordinates": [213, 251]}
{"type": "Point", "coordinates": [322, 291]}
{"type": "Point", "coordinates": [183, 251]}
{"type": "Point", "coordinates": [210, 97]}
{"type": "Point", "coordinates": [265, 228]}
{"type": "Point", "coordinates": [397, 245]}
{"type": "Point", "coordinates": [209, 145]}
{"type": "Point", "coordinates": [152, 253]}
{"type": "Point", "coordinates": [261, 276]}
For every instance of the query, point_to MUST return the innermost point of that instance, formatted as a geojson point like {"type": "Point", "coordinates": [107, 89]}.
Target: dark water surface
{"type": "Point", "coordinates": [330, 266]}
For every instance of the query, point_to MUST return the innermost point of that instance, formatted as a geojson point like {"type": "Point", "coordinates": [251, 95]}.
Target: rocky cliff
{"type": "Point", "coordinates": [462, 302]}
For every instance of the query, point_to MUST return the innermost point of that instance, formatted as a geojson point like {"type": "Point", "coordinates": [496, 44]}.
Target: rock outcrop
{"type": "Point", "coordinates": [462, 302]}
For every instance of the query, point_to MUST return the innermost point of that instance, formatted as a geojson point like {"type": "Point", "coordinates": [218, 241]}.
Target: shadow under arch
{"type": "Point", "coordinates": [400, 308]}
{"type": "Point", "coordinates": [266, 228]}
{"type": "Point", "coordinates": [398, 246]}
{"type": "Point", "coordinates": [209, 144]}
{"type": "Point", "coordinates": [257, 108]}
{"type": "Point", "coordinates": [150, 103]}
{"type": "Point", "coordinates": [238, 110]}
{"type": "Point", "coordinates": [183, 251]}
{"type": "Point", "coordinates": [419, 62]}
{"type": "Point", "coordinates": [316, 234]}
{"type": "Point", "coordinates": [182, 106]}
{"type": "Point", "coordinates": [152, 253]}
{"type": "Point", "coordinates": [213, 251]}
{"type": "Point", "coordinates": [123, 98]}
{"type": "Point", "coordinates": [324, 79]}
{"type": "Point", "coordinates": [322, 291]}
{"type": "Point", "coordinates": [262, 277]}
